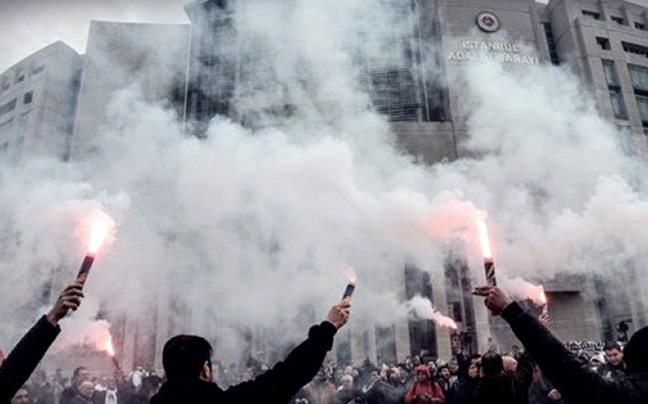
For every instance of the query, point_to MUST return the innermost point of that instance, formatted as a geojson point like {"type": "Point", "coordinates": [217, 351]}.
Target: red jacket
{"type": "Point", "coordinates": [424, 392]}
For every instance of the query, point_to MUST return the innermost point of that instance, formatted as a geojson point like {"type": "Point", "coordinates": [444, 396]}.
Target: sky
{"type": "Point", "coordinates": [28, 25]}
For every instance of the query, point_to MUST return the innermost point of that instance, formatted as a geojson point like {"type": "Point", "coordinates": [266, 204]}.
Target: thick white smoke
{"type": "Point", "coordinates": [255, 228]}
{"type": "Point", "coordinates": [423, 308]}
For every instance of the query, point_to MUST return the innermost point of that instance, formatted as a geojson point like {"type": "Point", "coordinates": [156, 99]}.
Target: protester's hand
{"type": "Point", "coordinates": [554, 395]}
{"type": "Point", "coordinates": [69, 299]}
{"type": "Point", "coordinates": [545, 320]}
{"type": "Point", "coordinates": [456, 346]}
{"type": "Point", "coordinates": [496, 299]}
{"type": "Point", "coordinates": [339, 314]}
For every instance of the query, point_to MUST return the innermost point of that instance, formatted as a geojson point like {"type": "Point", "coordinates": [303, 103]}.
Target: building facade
{"type": "Point", "coordinates": [148, 58]}
{"type": "Point", "coordinates": [210, 68]}
{"type": "Point", "coordinates": [38, 98]}
{"type": "Point", "coordinates": [603, 42]}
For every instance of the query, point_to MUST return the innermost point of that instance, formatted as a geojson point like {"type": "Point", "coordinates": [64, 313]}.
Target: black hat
{"type": "Point", "coordinates": [635, 353]}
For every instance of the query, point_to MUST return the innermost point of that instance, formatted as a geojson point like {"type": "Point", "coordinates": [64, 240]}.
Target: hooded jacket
{"type": "Point", "coordinates": [278, 385]}
{"type": "Point", "coordinates": [24, 358]}
{"type": "Point", "coordinates": [425, 392]}
{"type": "Point", "coordinates": [570, 376]}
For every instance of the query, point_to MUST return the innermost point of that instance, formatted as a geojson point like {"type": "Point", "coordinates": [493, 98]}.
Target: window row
{"type": "Point", "coordinates": [639, 81]}
{"type": "Point", "coordinates": [9, 106]}
{"type": "Point", "coordinates": [595, 15]}
{"type": "Point", "coordinates": [19, 76]}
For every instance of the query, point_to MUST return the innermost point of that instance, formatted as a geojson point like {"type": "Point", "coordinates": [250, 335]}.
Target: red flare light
{"type": "Point", "coordinates": [99, 230]}
{"type": "Point", "coordinates": [483, 236]}
{"type": "Point", "coordinates": [542, 298]}
{"type": "Point", "coordinates": [109, 348]}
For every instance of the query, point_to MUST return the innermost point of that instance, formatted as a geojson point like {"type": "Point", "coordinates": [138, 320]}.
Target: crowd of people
{"type": "Point", "coordinates": [544, 372]}
{"type": "Point", "coordinates": [465, 379]}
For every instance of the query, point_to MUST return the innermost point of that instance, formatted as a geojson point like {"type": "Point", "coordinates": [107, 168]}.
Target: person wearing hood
{"type": "Point", "coordinates": [187, 362]}
{"type": "Point", "coordinates": [424, 390]}
{"type": "Point", "coordinates": [574, 380]}
{"type": "Point", "coordinates": [23, 359]}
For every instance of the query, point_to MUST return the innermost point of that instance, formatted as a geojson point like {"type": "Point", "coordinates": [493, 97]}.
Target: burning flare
{"type": "Point", "coordinates": [109, 348]}
{"type": "Point", "coordinates": [98, 235]}
{"type": "Point", "coordinates": [97, 230]}
{"type": "Point", "coordinates": [101, 229]}
{"type": "Point", "coordinates": [542, 297]}
{"type": "Point", "coordinates": [483, 236]}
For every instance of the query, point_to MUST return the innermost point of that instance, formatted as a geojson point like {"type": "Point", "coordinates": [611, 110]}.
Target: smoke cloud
{"type": "Point", "coordinates": [255, 227]}
{"type": "Point", "coordinates": [423, 308]}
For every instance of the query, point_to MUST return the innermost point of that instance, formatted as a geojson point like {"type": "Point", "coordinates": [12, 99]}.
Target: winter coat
{"type": "Point", "coordinates": [24, 358]}
{"type": "Point", "coordinates": [466, 391]}
{"type": "Point", "coordinates": [570, 376]}
{"type": "Point", "coordinates": [425, 392]}
{"type": "Point", "coordinates": [277, 385]}
{"type": "Point", "coordinates": [539, 392]}
{"type": "Point", "coordinates": [507, 388]}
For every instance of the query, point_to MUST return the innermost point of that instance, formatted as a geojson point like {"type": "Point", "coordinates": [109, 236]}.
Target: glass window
{"type": "Point", "coordinates": [603, 43]}
{"type": "Point", "coordinates": [611, 76]}
{"type": "Point", "coordinates": [620, 112]}
{"type": "Point", "coordinates": [635, 49]}
{"type": "Point", "coordinates": [642, 104]}
{"type": "Point", "coordinates": [640, 25]}
{"type": "Point", "coordinates": [639, 77]}
{"type": "Point", "coordinates": [618, 20]}
{"type": "Point", "coordinates": [20, 76]}
{"type": "Point", "coordinates": [8, 107]}
{"type": "Point", "coordinates": [592, 14]}
{"type": "Point", "coordinates": [28, 97]}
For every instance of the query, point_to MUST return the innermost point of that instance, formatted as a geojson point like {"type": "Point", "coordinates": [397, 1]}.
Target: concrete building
{"type": "Point", "coordinates": [209, 68]}
{"type": "Point", "coordinates": [118, 56]}
{"type": "Point", "coordinates": [38, 98]}
{"type": "Point", "coordinates": [427, 115]}
{"type": "Point", "coordinates": [605, 43]}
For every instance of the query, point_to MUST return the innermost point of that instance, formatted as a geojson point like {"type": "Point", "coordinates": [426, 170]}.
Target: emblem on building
{"type": "Point", "coordinates": [488, 22]}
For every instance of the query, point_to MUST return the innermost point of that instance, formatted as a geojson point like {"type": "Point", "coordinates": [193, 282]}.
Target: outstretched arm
{"type": "Point", "coordinates": [573, 379]}
{"type": "Point", "coordinates": [283, 381]}
{"type": "Point", "coordinates": [24, 358]}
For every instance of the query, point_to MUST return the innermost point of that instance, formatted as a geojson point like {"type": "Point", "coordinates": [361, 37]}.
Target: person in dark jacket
{"type": "Point", "coordinates": [79, 375]}
{"type": "Point", "coordinates": [21, 396]}
{"type": "Point", "coordinates": [86, 393]}
{"type": "Point", "coordinates": [570, 376]}
{"type": "Point", "coordinates": [21, 362]}
{"type": "Point", "coordinates": [498, 386]}
{"type": "Point", "coordinates": [542, 391]}
{"type": "Point", "coordinates": [614, 356]}
{"type": "Point", "coordinates": [42, 391]}
{"type": "Point", "coordinates": [468, 385]}
{"type": "Point", "coordinates": [187, 362]}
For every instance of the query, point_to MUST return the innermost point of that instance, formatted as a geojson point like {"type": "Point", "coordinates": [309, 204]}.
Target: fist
{"type": "Point", "coordinates": [554, 395]}
{"type": "Point", "coordinates": [339, 314]}
{"type": "Point", "coordinates": [496, 299]}
{"type": "Point", "coordinates": [69, 299]}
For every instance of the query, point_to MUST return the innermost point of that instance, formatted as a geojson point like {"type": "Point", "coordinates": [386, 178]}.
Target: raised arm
{"type": "Point", "coordinates": [283, 381]}
{"type": "Point", "coordinates": [24, 358]}
{"type": "Point", "coordinates": [574, 380]}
